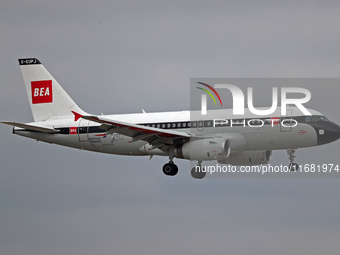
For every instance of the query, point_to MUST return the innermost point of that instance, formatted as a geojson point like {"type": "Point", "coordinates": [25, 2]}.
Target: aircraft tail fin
{"type": "Point", "coordinates": [48, 100]}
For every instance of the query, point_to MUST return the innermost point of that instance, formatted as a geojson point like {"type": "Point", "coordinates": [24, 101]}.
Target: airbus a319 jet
{"type": "Point", "coordinates": [59, 120]}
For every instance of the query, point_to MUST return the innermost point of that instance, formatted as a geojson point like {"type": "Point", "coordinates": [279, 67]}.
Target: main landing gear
{"type": "Point", "coordinates": [170, 168]}
{"type": "Point", "coordinates": [198, 172]}
{"type": "Point", "coordinates": [292, 166]}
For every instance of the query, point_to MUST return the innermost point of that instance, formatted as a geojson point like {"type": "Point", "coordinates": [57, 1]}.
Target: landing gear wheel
{"type": "Point", "coordinates": [170, 169]}
{"type": "Point", "coordinates": [198, 172]}
{"type": "Point", "coordinates": [293, 167]}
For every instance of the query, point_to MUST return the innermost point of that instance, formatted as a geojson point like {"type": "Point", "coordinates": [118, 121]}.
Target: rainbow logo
{"type": "Point", "coordinates": [209, 93]}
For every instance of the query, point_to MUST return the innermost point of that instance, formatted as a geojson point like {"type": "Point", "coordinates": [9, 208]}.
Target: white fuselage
{"type": "Point", "coordinates": [84, 134]}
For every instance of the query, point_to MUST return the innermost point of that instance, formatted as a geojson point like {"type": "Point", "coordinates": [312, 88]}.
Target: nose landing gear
{"type": "Point", "coordinates": [292, 166]}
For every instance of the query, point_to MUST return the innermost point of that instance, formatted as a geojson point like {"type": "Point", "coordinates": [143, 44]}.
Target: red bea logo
{"type": "Point", "coordinates": [73, 130]}
{"type": "Point", "coordinates": [41, 92]}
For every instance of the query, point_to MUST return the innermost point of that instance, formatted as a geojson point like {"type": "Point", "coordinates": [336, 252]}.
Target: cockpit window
{"type": "Point", "coordinates": [318, 118]}
{"type": "Point", "coordinates": [315, 118]}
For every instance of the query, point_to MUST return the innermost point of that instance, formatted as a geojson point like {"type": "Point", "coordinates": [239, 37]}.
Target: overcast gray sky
{"type": "Point", "coordinates": [122, 56]}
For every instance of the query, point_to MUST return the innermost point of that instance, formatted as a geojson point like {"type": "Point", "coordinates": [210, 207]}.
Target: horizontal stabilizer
{"type": "Point", "coordinates": [31, 127]}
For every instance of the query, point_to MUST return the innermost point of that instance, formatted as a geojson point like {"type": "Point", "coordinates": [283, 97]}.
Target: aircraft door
{"type": "Point", "coordinates": [83, 130]}
{"type": "Point", "coordinates": [287, 123]}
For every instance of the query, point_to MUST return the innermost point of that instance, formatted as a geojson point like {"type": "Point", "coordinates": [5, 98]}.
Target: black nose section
{"type": "Point", "coordinates": [327, 131]}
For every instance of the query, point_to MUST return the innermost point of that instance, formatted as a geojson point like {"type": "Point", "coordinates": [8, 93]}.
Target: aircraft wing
{"type": "Point", "coordinates": [137, 132]}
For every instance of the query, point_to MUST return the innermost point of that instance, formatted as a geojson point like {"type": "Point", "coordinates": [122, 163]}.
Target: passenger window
{"type": "Point", "coordinates": [308, 118]}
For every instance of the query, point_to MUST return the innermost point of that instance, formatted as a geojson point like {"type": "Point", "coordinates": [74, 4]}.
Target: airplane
{"type": "Point", "coordinates": [217, 136]}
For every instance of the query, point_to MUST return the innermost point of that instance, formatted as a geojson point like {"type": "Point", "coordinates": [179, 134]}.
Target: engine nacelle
{"type": "Point", "coordinates": [247, 158]}
{"type": "Point", "coordinates": [203, 149]}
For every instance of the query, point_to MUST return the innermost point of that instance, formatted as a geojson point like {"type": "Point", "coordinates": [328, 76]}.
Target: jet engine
{"type": "Point", "coordinates": [203, 149]}
{"type": "Point", "coordinates": [247, 158]}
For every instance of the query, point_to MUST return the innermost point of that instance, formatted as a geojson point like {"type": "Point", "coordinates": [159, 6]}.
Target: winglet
{"type": "Point", "coordinates": [77, 116]}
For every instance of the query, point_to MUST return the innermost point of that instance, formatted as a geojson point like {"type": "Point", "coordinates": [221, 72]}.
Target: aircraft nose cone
{"type": "Point", "coordinates": [337, 132]}
{"type": "Point", "coordinates": [328, 132]}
